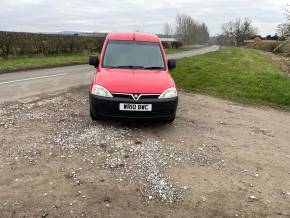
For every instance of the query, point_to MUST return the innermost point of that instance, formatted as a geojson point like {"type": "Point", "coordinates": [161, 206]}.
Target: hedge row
{"type": "Point", "coordinates": [172, 44]}
{"type": "Point", "coordinates": [267, 46]}
{"type": "Point", "coordinates": [19, 43]}
{"type": "Point", "coordinates": [283, 48]}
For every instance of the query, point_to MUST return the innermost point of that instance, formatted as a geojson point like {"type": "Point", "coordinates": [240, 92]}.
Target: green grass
{"type": "Point", "coordinates": [175, 50]}
{"type": "Point", "coordinates": [243, 75]}
{"type": "Point", "coordinates": [22, 63]}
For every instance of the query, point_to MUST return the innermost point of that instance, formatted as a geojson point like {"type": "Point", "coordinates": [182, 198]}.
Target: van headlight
{"type": "Point", "coordinates": [169, 93]}
{"type": "Point", "coordinates": [101, 91]}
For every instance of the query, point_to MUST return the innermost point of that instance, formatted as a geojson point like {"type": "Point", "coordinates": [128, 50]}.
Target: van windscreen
{"type": "Point", "coordinates": [133, 55]}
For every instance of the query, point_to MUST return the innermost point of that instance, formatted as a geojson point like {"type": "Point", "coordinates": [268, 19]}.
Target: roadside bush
{"type": "Point", "coordinates": [17, 43]}
{"type": "Point", "coordinates": [172, 44]}
{"type": "Point", "coordinates": [177, 44]}
{"type": "Point", "coordinates": [270, 47]}
{"type": "Point", "coordinates": [283, 48]}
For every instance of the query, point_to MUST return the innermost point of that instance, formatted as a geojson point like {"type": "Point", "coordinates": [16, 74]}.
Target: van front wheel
{"type": "Point", "coordinates": [93, 117]}
{"type": "Point", "coordinates": [170, 120]}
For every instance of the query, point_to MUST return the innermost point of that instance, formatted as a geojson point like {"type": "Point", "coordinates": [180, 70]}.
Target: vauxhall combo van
{"type": "Point", "coordinates": [132, 80]}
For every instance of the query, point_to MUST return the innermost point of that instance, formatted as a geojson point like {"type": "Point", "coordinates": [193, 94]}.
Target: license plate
{"type": "Point", "coordinates": [135, 107]}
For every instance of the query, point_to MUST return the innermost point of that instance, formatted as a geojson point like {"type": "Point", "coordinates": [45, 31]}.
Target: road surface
{"type": "Point", "coordinates": [22, 84]}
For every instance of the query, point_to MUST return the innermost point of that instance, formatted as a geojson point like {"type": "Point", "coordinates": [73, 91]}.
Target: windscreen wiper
{"type": "Point", "coordinates": [128, 67]}
{"type": "Point", "coordinates": [153, 68]}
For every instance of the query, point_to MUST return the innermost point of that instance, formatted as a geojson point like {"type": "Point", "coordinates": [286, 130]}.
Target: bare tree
{"type": "Point", "coordinates": [184, 24]}
{"type": "Point", "coordinates": [168, 29]}
{"type": "Point", "coordinates": [229, 33]}
{"type": "Point", "coordinates": [189, 31]}
{"type": "Point", "coordinates": [239, 30]}
{"type": "Point", "coordinates": [283, 30]}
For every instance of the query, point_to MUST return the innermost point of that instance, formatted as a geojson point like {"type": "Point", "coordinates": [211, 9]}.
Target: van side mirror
{"type": "Point", "coordinates": [94, 61]}
{"type": "Point", "coordinates": [171, 64]}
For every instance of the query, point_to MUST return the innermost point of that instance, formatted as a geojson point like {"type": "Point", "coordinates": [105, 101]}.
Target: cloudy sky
{"type": "Point", "coordinates": [146, 15]}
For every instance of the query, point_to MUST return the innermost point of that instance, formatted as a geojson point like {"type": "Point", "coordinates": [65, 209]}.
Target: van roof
{"type": "Point", "coordinates": [137, 36]}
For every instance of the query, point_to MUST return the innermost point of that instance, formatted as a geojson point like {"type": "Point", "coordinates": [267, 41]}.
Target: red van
{"type": "Point", "coordinates": [132, 79]}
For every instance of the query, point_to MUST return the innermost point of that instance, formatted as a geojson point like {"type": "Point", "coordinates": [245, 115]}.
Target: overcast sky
{"type": "Point", "coordinates": [147, 15]}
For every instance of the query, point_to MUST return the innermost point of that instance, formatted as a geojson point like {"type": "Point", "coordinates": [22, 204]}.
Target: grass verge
{"type": "Point", "coordinates": [35, 62]}
{"type": "Point", "coordinates": [239, 74]}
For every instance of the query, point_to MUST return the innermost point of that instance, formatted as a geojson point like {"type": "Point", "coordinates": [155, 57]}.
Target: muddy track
{"type": "Point", "coordinates": [217, 159]}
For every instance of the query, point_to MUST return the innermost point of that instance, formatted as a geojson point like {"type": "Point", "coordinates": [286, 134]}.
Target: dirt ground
{"type": "Point", "coordinates": [218, 159]}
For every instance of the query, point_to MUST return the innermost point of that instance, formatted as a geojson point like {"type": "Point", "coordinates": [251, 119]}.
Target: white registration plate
{"type": "Point", "coordinates": [135, 107]}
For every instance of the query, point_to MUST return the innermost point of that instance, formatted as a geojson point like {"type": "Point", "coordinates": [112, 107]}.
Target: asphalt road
{"type": "Point", "coordinates": [26, 83]}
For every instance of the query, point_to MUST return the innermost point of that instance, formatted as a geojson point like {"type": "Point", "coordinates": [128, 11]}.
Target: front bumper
{"type": "Point", "coordinates": [108, 108]}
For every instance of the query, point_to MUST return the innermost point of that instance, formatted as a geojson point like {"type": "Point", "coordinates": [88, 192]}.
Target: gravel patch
{"type": "Point", "coordinates": [132, 159]}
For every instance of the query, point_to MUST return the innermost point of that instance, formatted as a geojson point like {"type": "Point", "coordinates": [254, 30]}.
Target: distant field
{"type": "Point", "coordinates": [23, 63]}
{"type": "Point", "coordinates": [244, 75]}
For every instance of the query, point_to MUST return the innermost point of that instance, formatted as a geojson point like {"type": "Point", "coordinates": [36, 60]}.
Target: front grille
{"type": "Point", "coordinates": [149, 96]}
{"type": "Point", "coordinates": [122, 96]}
{"type": "Point", "coordinates": [130, 96]}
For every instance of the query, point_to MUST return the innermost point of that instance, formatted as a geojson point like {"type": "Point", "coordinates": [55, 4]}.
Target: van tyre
{"type": "Point", "coordinates": [170, 120]}
{"type": "Point", "coordinates": [93, 117]}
